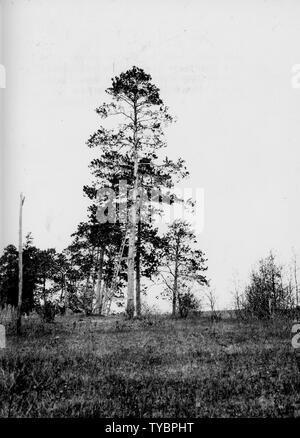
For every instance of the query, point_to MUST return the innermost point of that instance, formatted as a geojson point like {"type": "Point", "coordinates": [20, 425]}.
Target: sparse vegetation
{"type": "Point", "coordinates": [113, 367]}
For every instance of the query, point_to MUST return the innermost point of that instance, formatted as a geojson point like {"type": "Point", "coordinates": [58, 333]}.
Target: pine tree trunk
{"type": "Point", "coordinates": [175, 284]}
{"type": "Point", "coordinates": [86, 298]}
{"type": "Point", "coordinates": [99, 290]}
{"type": "Point", "coordinates": [175, 287]}
{"type": "Point", "coordinates": [131, 261]}
{"type": "Point", "coordinates": [132, 225]}
{"type": "Point", "coordinates": [138, 267]}
{"type": "Point", "coordinates": [95, 276]}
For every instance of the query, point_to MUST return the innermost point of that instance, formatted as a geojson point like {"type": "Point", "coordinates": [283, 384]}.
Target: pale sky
{"type": "Point", "coordinates": [224, 70]}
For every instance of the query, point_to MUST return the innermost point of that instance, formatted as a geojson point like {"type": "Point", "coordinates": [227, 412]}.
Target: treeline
{"type": "Point", "coordinates": [76, 277]}
{"type": "Point", "coordinates": [119, 245]}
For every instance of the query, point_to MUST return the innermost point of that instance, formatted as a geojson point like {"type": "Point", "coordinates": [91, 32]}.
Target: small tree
{"type": "Point", "coordinates": [182, 265]}
{"type": "Point", "coordinates": [238, 298]}
{"type": "Point", "coordinates": [266, 294]}
{"type": "Point", "coordinates": [187, 301]}
{"type": "Point", "coordinates": [212, 303]}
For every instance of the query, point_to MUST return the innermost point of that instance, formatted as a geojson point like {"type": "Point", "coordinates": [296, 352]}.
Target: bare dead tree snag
{"type": "Point", "coordinates": [19, 308]}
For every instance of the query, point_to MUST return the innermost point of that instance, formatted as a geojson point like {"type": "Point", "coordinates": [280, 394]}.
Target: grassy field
{"type": "Point", "coordinates": [155, 367]}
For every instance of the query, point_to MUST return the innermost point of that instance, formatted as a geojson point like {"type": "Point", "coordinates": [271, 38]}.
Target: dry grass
{"type": "Point", "coordinates": [156, 367]}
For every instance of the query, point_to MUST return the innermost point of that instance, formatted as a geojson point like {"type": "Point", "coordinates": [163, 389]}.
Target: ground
{"type": "Point", "coordinates": [154, 367]}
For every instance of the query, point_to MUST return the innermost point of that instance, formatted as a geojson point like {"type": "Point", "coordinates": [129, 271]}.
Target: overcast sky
{"type": "Point", "coordinates": [224, 70]}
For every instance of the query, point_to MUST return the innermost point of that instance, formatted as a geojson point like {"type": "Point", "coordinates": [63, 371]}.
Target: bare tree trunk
{"type": "Point", "coordinates": [95, 277]}
{"type": "Point", "coordinates": [100, 289]}
{"type": "Point", "coordinates": [175, 284]}
{"type": "Point", "coordinates": [86, 299]}
{"type": "Point", "coordinates": [175, 289]}
{"type": "Point", "coordinates": [138, 267]}
{"type": "Point", "coordinates": [19, 309]}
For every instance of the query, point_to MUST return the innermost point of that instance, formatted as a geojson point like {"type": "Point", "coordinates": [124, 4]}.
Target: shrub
{"type": "Point", "coordinates": [47, 311]}
{"type": "Point", "coordinates": [266, 295]}
{"type": "Point", "coordinates": [187, 302]}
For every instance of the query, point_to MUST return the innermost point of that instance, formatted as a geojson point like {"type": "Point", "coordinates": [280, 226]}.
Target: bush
{"type": "Point", "coordinates": [47, 311]}
{"type": "Point", "coordinates": [187, 302]}
{"type": "Point", "coordinates": [266, 295]}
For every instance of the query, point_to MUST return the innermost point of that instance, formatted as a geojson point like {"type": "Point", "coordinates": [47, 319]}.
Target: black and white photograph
{"type": "Point", "coordinates": [149, 211]}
